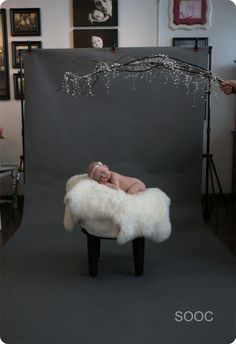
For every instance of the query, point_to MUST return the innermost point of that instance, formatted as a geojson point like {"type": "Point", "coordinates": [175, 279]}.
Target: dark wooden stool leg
{"type": "Point", "coordinates": [98, 247]}
{"type": "Point", "coordinates": [138, 253]}
{"type": "Point", "coordinates": [94, 248]}
{"type": "Point", "coordinates": [93, 244]}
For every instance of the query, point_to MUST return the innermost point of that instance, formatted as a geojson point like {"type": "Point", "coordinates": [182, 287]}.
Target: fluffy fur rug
{"type": "Point", "coordinates": [106, 212]}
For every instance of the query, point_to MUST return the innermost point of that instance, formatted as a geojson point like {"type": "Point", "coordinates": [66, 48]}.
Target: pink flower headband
{"type": "Point", "coordinates": [99, 163]}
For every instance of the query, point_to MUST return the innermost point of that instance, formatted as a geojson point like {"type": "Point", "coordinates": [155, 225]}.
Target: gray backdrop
{"type": "Point", "coordinates": [154, 134]}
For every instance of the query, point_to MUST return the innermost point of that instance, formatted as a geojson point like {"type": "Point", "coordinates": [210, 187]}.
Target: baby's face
{"type": "Point", "coordinates": [104, 5]}
{"type": "Point", "coordinates": [98, 15]}
{"type": "Point", "coordinates": [102, 173]}
{"type": "Point", "coordinates": [96, 42]}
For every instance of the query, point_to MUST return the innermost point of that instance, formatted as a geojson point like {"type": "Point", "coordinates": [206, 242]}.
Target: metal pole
{"type": "Point", "coordinates": [208, 130]}
{"type": "Point", "coordinates": [22, 108]}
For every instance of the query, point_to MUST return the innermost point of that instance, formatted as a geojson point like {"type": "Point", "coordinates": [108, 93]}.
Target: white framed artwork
{"type": "Point", "coordinates": [189, 14]}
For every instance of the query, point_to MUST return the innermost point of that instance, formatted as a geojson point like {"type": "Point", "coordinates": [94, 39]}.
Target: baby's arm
{"type": "Point", "coordinates": [114, 181]}
{"type": "Point", "coordinates": [104, 19]}
{"type": "Point", "coordinates": [90, 18]}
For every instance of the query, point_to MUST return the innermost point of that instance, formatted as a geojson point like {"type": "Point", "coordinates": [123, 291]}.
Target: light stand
{"type": "Point", "coordinates": [22, 105]}
{"type": "Point", "coordinates": [211, 172]}
{"type": "Point", "coordinates": [20, 169]}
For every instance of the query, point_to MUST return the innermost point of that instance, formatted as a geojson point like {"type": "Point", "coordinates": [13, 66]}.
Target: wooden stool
{"type": "Point", "coordinates": [94, 245]}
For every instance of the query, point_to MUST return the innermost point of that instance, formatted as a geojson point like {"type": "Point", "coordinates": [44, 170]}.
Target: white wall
{"type": "Point", "coordinates": [140, 24]}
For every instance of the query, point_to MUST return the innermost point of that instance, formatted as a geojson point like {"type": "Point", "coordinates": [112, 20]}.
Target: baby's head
{"type": "Point", "coordinates": [104, 5]}
{"type": "Point", "coordinates": [98, 15]}
{"type": "Point", "coordinates": [98, 171]}
{"type": "Point", "coordinates": [96, 42]}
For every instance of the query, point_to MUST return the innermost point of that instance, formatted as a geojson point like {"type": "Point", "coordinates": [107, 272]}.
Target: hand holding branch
{"type": "Point", "coordinates": [228, 86]}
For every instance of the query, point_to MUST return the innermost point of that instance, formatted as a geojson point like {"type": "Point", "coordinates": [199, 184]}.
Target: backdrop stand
{"type": "Point", "coordinates": [211, 172]}
{"type": "Point", "coordinates": [20, 169]}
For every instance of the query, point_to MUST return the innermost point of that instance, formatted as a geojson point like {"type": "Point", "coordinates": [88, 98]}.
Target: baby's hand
{"type": "Point", "coordinates": [103, 179]}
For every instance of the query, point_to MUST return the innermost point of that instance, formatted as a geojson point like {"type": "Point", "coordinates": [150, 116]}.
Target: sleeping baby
{"type": "Point", "coordinates": [97, 17]}
{"type": "Point", "coordinates": [100, 172]}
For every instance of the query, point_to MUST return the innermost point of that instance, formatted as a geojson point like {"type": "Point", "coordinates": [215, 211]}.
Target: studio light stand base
{"type": "Point", "coordinates": [14, 200]}
{"type": "Point", "coordinates": [213, 177]}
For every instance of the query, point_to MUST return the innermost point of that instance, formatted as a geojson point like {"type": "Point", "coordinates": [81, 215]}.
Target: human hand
{"type": "Point", "coordinates": [228, 86]}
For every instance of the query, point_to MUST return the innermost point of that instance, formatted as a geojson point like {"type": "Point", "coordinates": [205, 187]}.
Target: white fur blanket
{"type": "Point", "coordinates": [106, 212]}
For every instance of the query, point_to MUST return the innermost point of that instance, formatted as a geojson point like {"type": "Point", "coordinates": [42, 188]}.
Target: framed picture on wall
{"type": "Point", "coordinates": [19, 46]}
{"type": "Point", "coordinates": [4, 64]}
{"type": "Point", "coordinates": [17, 86]}
{"type": "Point", "coordinates": [189, 14]}
{"type": "Point", "coordinates": [190, 42]}
{"type": "Point", "coordinates": [95, 12]}
{"type": "Point", "coordinates": [99, 38]}
{"type": "Point", "coordinates": [25, 22]}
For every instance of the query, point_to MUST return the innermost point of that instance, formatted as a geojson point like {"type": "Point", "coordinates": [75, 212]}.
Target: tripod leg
{"type": "Point", "coordinates": [219, 185]}
{"type": "Point", "coordinates": [213, 191]}
{"type": "Point", "coordinates": [14, 196]}
{"type": "Point", "coordinates": [206, 207]}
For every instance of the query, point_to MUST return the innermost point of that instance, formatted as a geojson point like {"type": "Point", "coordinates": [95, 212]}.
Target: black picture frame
{"type": "Point", "coordinates": [25, 21]}
{"type": "Point", "coordinates": [20, 46]}
{"type": "Point", "coordinates": [190, 42]}
{"type": "Point", "coordinates": [4, 63]}
{"type": "Point", "coordinates": [95, 13]}
{"type": "Point", "coordinates": [85, 38]}
{"type": "Point", "coordinates": [17, 85]}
